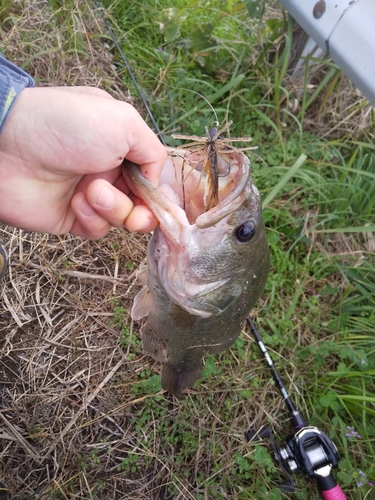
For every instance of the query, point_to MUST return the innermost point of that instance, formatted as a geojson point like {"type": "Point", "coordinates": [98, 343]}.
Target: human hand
{"type": "Point", "coordinates": [61, 151]}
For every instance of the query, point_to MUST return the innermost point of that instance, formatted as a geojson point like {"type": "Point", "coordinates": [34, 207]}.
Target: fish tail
{"type": "Point", "coordinates": [174, 380]}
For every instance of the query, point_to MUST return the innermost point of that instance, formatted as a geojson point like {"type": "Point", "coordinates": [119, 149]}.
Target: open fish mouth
{"type": "Point", "coordinates": [182, 191]}
{"type": "Point", "coordinates": [232, 170]}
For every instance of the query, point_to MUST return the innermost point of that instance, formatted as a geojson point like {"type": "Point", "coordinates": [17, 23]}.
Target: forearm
{"type": "Point", "coordinates": [12, 81]}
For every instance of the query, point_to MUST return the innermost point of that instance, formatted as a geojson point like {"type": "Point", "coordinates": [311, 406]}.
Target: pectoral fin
{"type": "Point", "coordinates": [142, 304]}
{"type": "Point", "coordinates": [141, 274]}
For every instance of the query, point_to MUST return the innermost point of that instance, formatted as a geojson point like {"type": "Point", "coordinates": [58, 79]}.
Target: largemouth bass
{"type": "Point", "coordinates": [205, 268]}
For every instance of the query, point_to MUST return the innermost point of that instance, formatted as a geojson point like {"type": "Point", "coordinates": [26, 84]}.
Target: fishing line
{"type": "Point", "coordinates": [216, 123]}
{"type": "Point", "coordinates": [124, 60]}
{"type": "Point", "coordinates": [131, 74]}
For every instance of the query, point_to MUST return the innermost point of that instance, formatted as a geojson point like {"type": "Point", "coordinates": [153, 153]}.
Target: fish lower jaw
{"type": "Point", "coordinates": [191, 297]}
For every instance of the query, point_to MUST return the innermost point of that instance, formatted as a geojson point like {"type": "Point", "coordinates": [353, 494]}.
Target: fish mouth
{"type": "Point", "coordinates": [179, 199]}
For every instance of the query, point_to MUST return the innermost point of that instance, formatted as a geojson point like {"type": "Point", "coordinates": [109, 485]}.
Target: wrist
{"type": "Point", "coordinates": [13, 81]}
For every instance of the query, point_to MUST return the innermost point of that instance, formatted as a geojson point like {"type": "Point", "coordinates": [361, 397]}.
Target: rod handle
{"type": "Point", "coordinates": [334, 493]}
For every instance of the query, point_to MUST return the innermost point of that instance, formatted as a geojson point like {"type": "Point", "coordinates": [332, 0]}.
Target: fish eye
{"type": "Point", "coordinates": [245, 232]}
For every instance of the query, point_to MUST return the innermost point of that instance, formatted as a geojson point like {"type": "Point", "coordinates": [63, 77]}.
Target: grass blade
{"type": "Point", "coordinates": [281, 184]}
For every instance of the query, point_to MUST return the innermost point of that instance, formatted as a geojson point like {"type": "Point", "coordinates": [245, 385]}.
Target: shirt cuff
{"type": "Point", "coordinates": [12, 81]}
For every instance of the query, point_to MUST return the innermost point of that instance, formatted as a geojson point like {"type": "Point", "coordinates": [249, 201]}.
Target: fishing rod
{"type": "Point", "coordinates": [308, 449]}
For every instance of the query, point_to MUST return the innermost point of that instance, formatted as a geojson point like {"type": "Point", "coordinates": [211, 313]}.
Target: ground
{"type": "Point", "coordinates": [73, 377]}
{"type": "Point", "coordinates": [82, 413]}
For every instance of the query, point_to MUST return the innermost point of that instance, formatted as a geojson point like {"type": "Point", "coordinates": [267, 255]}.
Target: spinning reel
{"type": "Point", "coordinates": [308, 450]}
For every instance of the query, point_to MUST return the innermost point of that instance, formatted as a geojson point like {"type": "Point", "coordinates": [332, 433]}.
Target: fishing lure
{"type": "Point", "coordinates": [206, 150]}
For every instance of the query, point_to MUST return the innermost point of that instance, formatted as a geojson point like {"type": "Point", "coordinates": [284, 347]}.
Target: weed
{"type": "Point", "coordinates": [315, 168]}
{"type": "Point", "coordinates": [119, 315]}
{"type": "Point", "coordinates": [129, 265]}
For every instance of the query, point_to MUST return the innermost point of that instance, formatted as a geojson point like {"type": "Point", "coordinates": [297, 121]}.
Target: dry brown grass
{"type": "Point", "coordinates": [71, 373]}
{"type": "Point", "coordinates": [80, 415]}
{"type": "Point", "coordinates": [62, 368]}
{"type": "Point", "coordinates": [60, 46]}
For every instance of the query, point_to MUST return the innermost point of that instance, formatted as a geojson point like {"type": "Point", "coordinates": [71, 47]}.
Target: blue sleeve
{"type": "Point", "coordinates": [12, 81]}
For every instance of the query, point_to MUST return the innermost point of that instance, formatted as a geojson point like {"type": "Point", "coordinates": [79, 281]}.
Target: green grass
{"type": "Point", "coordinates": [171, 52]}
{"type": "Point", "coordinates": [315, 167]}
{"type": "Point", "coordinates": [318, 310]}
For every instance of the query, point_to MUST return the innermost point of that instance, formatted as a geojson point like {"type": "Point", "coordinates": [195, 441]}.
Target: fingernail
{"type": "Point", "coordinates": [86, 209]}
{"type": "Point", "coordinates": [144, 225]}
{"type": "Point", "coordinates": [106, 198]}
